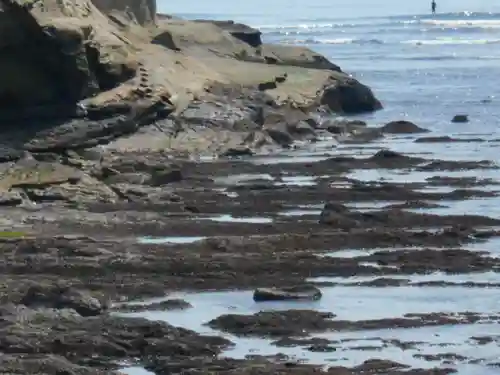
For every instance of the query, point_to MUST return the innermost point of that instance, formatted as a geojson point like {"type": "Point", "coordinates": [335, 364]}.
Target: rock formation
{"type": "Point", "coordinates": [80, 73]}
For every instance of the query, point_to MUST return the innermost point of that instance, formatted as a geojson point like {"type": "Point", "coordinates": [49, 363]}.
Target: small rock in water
{"type": "Point", "coordinates": [460, 118]}
{"type": "Point", "coordinates": [321, 348]}
{"type": "Point", "coordinates": [402, 127]}
{"type": "Point", "coordinates": [237, 151]}
{"type": "Point", "coordinates": [303, 292]}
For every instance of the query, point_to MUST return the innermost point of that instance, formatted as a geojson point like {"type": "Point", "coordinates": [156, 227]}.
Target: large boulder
{"type": "Point", "coordinates": [349, 96]}
{"type": "Point", "coordinates": [460, 118]}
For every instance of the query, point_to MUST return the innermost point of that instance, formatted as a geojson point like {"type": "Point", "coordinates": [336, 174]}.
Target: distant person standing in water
{"type": "Point", "coordinates": [433, 6]}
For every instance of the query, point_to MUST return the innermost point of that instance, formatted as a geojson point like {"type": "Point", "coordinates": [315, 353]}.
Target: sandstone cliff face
{"type": "Point", "coordinates": [61, 52]}
{"type": "Point", "coordinates": [141, 11]}
{"type": "Point", "coordinates": [84, 72]}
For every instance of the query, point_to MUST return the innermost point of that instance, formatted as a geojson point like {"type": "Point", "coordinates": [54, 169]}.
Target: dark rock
{"type": "Point", "coordinates": [281, 79]}
{"type": "Point", "coordinates": [167, 176]}
{"type": "Point", "coordinates": [9, 154]}
{"type": "Point", "coordinates": [171, 304]}
{"type": "Point", "coordinates": [402, 127]}
{"type": "Point", "coordinates": [442, 139]}
{"type": "Point", "coordinates": [280, 134]}
{"type": "Point", "coordinates": [166, 40]}
{"type": "Point", "coordinates": [273, 323]}
{"type": "Point", "coordinates": [460, 118]}
{"type": "Point", "coordinates": [290, 342]}
{"type": "Point", "coordinates": [58, 297]}
{"type": "Point", "coordinates": [338, 216]}
{"type": "Point", "coordinates": [415, 204]}
{"type": "Point", "coordinates": [245, 124]}
{"type": "Point", "coordinates": [379, 365]}
{"type": "Point", "coordinates": [303, 292]}
{"type": "Point", "coordinates": [10, 198]}
{"type": "Point", "coordinates": [47, 364]}
{"type": "Point", "coordinates": [336, 129]}
{"type": "Point", "coordinates": [388, 154]}
{"type": "Point", "coordinates": [447, 139]}
{"type": "Point", "coordinates": [267, 85]}
{"type": "Point", "coordinates": [350, 97]}
{"type": "Point", "coordinates": [321, 349]}
{"type": "Point", "coordinates": [449, 165]}
{"type": "Point", "coordinates": [237, 151]}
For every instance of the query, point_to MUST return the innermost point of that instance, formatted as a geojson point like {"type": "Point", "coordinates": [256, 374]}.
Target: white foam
{"type": "Point", "coordinates": [333, 41]}
{"type": "Point", "coordinates": [303, 26]}
{"type": "Point", "coordinates": [487, 24]}
{"type": "Point", "coordinates": [450, 41]}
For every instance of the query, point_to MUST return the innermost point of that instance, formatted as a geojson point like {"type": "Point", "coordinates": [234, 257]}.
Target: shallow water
{"type": "Point", "coordinates": [479, 206]}
{"type": "Point", "coordinates": [297, 181]}
{"type": "Point", "coordinates": [480, 277]}
{"type": "Point", "coordinates": [356, 303]}
{"type": "Point", "coordinates": [362, 303]}
{"type": "Point", "coordinates": [169, 240]}
{"type": "Point", "coordinates": [135, 371]}
{"type": "Point", "coordinates": [231, 219]}
{"type": "Point", "coordinates": [299, 213]}
{"type": "Point", "coordinates": [410, 176]}
{"type": "Point", "coordinates": [243, 178]}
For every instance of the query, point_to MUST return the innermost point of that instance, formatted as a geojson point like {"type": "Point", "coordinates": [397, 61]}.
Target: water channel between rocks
{"type": "Point", "coordinates": [475, 292]}
{"type": "Point", "coordinates": [357, 303]}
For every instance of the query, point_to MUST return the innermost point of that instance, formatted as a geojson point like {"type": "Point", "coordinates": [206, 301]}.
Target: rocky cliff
{"type": "Point", "coordinates": [143, 12]}
{"type": "Point", "coordinates": [80, 72]}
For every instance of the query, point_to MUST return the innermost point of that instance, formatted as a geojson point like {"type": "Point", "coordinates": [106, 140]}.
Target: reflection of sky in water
{"type": "Point", "coordinates": [480, 277]}
{"type": "Point", "coordinates": [170, 240]}
{"type": "Point", "coordinates": [135, 371]}
{"type": "Point", "coordinates": [352, 303]}
{"type": "Point", "coordinates": [409, 176]}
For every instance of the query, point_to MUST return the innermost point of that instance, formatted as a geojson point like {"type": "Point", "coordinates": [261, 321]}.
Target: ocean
{"type": "Point", "coordinates": [424, 68]}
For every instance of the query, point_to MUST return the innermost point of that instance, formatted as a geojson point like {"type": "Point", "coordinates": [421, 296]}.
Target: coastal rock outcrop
{"type": "Point", "coordinates": [102, 70]}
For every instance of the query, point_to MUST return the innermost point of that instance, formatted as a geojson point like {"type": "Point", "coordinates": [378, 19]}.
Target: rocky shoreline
{"type": "Point", "coordinates": [229, 158]}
